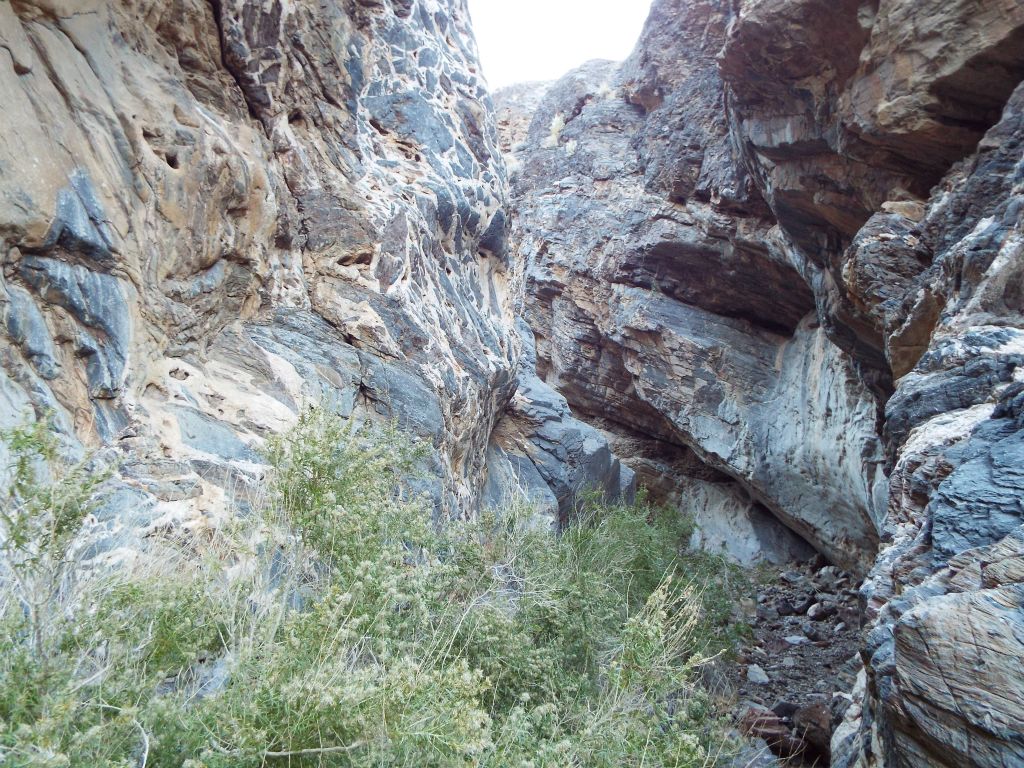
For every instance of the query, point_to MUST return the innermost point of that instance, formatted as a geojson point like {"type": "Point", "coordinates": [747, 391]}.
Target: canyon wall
{"type": "Point", "coordinates": [217, 213]}
{"type": "Point", "coordinates": [777, 253]}
{"type": "Point", "coordinates": [668, 308]}
{"type": "Point", "coordinates": [774, 260]}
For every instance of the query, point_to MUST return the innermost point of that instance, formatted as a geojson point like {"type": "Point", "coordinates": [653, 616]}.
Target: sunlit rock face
{"type": "Point", "coordinates": [777, 256]}
{"type": "Point", "coordinates": [214, 213]}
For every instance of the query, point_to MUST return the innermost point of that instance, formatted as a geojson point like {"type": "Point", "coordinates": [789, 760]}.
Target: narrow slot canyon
{"type": "Point", "coordinates": [332, 342]}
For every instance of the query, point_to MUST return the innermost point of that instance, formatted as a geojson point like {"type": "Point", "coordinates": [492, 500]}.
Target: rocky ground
{"type": "Point", "coordinates": [793, 677]}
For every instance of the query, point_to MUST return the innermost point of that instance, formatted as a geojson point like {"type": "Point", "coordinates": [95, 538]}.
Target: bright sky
{"type": "Point", "coordinates": [522, 40]}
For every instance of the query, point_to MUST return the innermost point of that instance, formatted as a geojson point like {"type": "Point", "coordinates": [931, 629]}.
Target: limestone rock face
{"type": "Point", "coordinates": [778, 254]}
{"type": "Point", "coordinates": [848, 110]}
{"type": "Point", "coordinates": [214, 213]}
{"type": "Point", "coordinates": [667, 308]}
{"type": "Point", "coordinates": [944, 596]}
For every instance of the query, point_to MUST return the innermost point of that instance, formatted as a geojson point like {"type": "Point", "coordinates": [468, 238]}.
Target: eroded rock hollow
{"type": "Point", "coordinates": [770, 266]}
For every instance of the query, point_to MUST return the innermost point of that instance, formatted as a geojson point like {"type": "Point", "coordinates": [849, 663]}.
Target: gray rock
{"type": "Point", "coordinates": [821, 611]}
{"type": "Point", "coordinates": [539, 438]}
{"type": "Point", "coordinates": [982, 500]}
{"type": "Point", "coordinates": [512, 480]}
{"type": "Point", "coordinates": [27, 328]}
{"type": "Point", "coordinates": [644, 293]}
{"type": "Point", "coordinates": [97, 302]}
{"type": "Point", "coordinates": [412, 119]}
{"type": "Point", "coordinates": [754, 754]}
{"type": "Point", "coordinates": [757, 675]}
{"type": "Point", "coordinates": [204, 434]}
{"type": "Point", "coordinates": [80, 225]}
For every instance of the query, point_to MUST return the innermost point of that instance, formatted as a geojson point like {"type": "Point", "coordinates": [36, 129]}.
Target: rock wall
{"type": "Point", "coordinates": [214, 213]}
{"type": "Point", "coordinates": [541, 454]}
{"type": "Point", "coordinates": [910, 218]}
{"type": "Point", "coordinates": [668, 311]}
{"type": "Point", "coordinates": [945, 598]}
{"type": "Point", "coordinates": [778, 253]}
{"type": "Point", "coordinates": [775, 259]}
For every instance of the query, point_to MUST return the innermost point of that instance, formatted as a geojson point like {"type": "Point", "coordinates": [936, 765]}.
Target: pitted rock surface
{"type": "Point", "coordinates": [215, 214]}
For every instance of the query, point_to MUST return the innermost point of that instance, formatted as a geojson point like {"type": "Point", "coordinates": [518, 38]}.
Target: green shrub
{"type": "Point", "coordinates": [342, 627]}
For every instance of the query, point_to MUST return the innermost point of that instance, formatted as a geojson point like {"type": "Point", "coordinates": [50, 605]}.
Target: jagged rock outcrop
{"type": "Point", "coordinates": [851, 110]}
{"type": "Point", "coordinates": [943, 686]}
{"type": "Point", "coordinates": [667, 313]}
{"type": "Point", "coordinates": [541, 454]}
{"type": "Point", "coordinates": [779, 250]}
{"type": "Point", "coordinates": [922, 283]}
{"type": "Point", "coordinates": [215, 212]}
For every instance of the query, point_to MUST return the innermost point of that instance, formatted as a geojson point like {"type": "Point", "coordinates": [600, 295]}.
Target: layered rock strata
{"type": "Point", "coordinates": [775, 259]}
{"type": "Point", "coordinates": [541, 455]}
{"type": "Point", "coordinates": [667, 312]}
{"type": "Point", "coordinates": [942, 681]}
{"type": "Point", "coordinates": [779, 251]}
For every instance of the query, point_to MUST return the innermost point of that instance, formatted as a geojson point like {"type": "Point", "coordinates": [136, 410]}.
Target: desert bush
{"type": "Point", "coordinates": [339, 625]}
